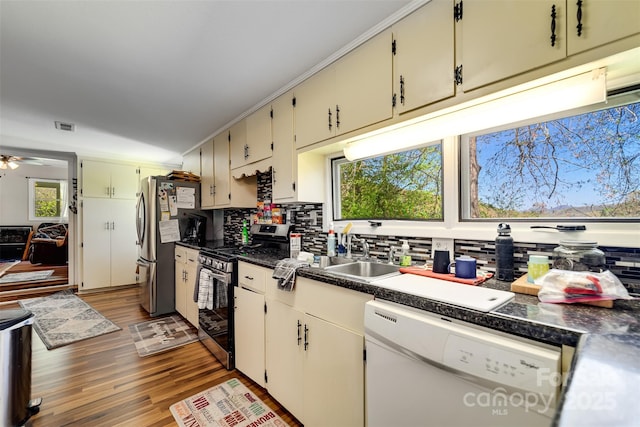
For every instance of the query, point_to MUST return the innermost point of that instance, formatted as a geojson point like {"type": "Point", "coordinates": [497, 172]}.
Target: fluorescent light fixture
{"type": "Point", "coordinates": [566, 94]}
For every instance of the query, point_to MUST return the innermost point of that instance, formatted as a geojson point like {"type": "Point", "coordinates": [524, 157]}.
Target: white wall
{"type": "Point", "coordinates": [14, 191]}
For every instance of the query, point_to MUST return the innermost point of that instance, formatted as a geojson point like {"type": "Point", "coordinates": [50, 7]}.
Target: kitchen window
{"type": "Point", "coordinates": [47, 199]}
{"type": "Point", "coordinates": [581, 166]}
{"type": "Point", "coordinates": [405, 185]}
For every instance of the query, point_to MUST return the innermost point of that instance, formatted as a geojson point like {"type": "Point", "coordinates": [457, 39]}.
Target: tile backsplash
{"type": "Point", "coordinates": [306, 218]}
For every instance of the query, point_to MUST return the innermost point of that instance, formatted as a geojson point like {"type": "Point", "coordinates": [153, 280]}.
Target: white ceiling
{"type": "Point", "coordinates": [152, 79]}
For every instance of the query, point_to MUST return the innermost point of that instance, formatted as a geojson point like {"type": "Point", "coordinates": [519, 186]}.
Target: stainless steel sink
{"type": "Point", "coordinates": [328, 261]}
{"type": "Point", "coordinates": [365, 270]}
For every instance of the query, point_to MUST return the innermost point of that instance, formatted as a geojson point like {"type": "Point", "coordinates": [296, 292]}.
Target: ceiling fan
{"type": "Point", "coordinates": [10, 162]}
{"type": "Point", "coordinates": [13, 162]}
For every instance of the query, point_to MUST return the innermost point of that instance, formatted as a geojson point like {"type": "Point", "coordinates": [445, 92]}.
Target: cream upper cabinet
{"type": "Point", "coordinates": [502, 38]}
{"type": "Point", "coordinates": [218, 188]}
{"type": "Point", "coordinates": [109, 180]}
{"type": "Point", "coordinates": [284, 161]}
{"type": "Point", "coordinates": [315, 108]}
{"type": "Point", "coordinates": [207, 182]}
{"type": "Point", "coordinates": [258, 141]}
{"type": "Point", "coordinates": [592, 23]}
{"type": "Point", "coordinates": [364, 92]}
{"type": "Point", "coordinates": [191, 161]}
{"type": "Point", "coordinates": [350, 94]}
{"type": "Point", "coordinates": [238, 142]}
{"type": "Point", "coordinates": [423, 54]}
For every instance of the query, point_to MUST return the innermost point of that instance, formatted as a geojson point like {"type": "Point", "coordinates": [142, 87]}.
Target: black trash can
{"type": "Point", "coordinates": [16, 406]}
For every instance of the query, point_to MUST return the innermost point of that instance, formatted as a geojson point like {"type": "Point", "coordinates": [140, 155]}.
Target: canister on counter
{"type": "Point", "coordinates": [579, 255]}
{"type": "Point", "coordinates": [537, 267]}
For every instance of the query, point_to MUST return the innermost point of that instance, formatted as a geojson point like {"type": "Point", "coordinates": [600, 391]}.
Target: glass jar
{"type": "Point", "coordinates": [579, 255]}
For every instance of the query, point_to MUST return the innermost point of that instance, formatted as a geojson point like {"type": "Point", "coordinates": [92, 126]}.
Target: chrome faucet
{"type": "Point", "coordinates": [365, 248]}
{"type": "Point", "coordinates": [391, 254]}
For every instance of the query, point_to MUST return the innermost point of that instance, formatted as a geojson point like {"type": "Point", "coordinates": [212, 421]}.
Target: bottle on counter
{"type": "Point", "coordinates": [245, 233]}
{"type": "Point", "coordinates": [504, 253]}
{"type": "Point", "coordinates": [405, 256]}
{"type": "Point", "coordinates": [331, 241]}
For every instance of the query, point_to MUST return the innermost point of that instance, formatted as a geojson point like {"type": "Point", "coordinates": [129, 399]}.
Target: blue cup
{"type": "Point", "coordinates": [464, 267]}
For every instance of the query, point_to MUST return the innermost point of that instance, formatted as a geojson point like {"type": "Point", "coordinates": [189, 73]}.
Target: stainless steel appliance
{"type": "Point", "coordinates": [164, 211]}
{"type": "Point", "coordinates": [218, 272]}
{"type": "Point", "coordinates": [425, 369]}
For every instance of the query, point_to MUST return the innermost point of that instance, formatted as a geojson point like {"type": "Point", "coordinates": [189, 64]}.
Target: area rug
{"type": "Point", "coordinates": [63, 318]}
{"type": "Point", "coordinates": [225, 405]}
{"type": "Point", "coordinates": [158, 335]}
{"type": "Point", "coordinates": [26, 276]}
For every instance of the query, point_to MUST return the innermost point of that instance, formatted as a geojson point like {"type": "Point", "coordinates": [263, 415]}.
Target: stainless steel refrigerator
{"type": "Point", "coordinates": [162, 217]}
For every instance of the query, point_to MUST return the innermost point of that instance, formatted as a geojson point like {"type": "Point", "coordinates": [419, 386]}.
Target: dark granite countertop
{"type": "Point", "coordinates": [605, 370]}
{"type": "Point", "coordinates": [525, 315]}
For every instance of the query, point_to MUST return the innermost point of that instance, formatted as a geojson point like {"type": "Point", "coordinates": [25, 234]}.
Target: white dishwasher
{"type": "Point", "coordinates": [423, 369]}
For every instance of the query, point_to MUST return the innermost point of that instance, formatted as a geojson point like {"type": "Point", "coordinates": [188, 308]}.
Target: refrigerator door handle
{"type": "Point", "coordinates": [141, 212]}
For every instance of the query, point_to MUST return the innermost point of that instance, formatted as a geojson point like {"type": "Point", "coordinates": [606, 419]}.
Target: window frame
{"type": "Point", "coordinates": [63, 194]}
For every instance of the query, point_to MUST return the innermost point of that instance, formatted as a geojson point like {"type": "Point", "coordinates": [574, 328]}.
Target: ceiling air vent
{"type": "Point", "coordinates": [69, 127]}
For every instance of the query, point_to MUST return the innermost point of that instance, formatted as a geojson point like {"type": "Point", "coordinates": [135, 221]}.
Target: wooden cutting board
{"type": "Point", "coordinates": [521, 286]}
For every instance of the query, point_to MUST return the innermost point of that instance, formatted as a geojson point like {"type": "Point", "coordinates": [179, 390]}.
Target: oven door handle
{"type": "Point", "coordinates": [220, 277]}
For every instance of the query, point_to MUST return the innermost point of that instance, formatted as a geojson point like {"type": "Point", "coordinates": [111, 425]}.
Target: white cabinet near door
{"type": "Point", "coordinates": [109, 180]}
{"type": "Point", "coordinates": [186, 263]}
{"type": "Point", "coordinates": [109, 250]}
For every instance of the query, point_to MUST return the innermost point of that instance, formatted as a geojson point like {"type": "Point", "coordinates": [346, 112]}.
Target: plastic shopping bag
{"type": "Point", "coordinates": [580, 286]}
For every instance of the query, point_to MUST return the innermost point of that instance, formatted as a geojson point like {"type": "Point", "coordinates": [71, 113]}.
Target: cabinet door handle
{"type": "Point", "coordinates": [113, 191]}
{"type": "Point", "coordinates": [248, 277]}
{"type": "Point", "coordinates": [106, 225]}
{"type": "Point", "coordinates": [337, 116]}
{"type": "Point", "coordinates": [113, 225]}
{"type": "Point", "coordinates": [306, 336]}
{"type": "Point", "coordinates": [107, 191]}
{"type": "Point", "coordinates": [330, 125]}
{"type": "Point", "coordinates": [246, 151]}
{"type": "Point", "coordinates": [273, 175]}
{"type": "Point", "coordinates": [579, 16]}
{"type": "Point", "coordinates": [299, 337]}
{"type": "Point", "coordinates": [553, 25]}
{"type": "Point", "coordinates": [401, 90]}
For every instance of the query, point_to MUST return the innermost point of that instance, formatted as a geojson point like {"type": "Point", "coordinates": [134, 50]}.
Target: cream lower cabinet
{"type": "Point", "coordinates": [249, 320]}
{"type": "Point", "coordinates": [314, 352]}
{"type": "Point", "coordinates": [186, 261]}
{"type": "Point", "coordinates": [109, 250]}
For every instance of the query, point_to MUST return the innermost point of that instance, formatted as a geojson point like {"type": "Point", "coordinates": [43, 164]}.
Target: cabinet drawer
{"type": "Point", "coordinates": [253, 277]}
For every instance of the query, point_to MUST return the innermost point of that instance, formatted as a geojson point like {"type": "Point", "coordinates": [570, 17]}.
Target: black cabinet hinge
{"type": "Point", "coordinates": [229, 136]}
{"type": "Point", "coordinates": [293, 101]}
{"type": "Point", "coordinates": [266, 378]}
{"type": "Point", "coordinates": [265, 308]}
{"type": "Point", "coordinates": [271, 113]}
{"type": "Point", "coordinates": [293, 185]}
{"type": "Point", "coordinates": [457, 75]}
{"type": "Point", "coordinates": [272, 146]}
{"type": "Point", "coordinates": [457, 11]}
{"type": "Point", "coordinates": [393, 47]}
{"type": "Point", "coordinates": [364, 354]}
{"type": "Point", "coordinates": [229, 196]}
{"type": "Point", "coordinates": [393, 100]}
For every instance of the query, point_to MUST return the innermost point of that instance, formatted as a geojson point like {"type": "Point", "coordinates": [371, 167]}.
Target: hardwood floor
{"type": "Point", "coordinates": [59, 280]}
{"type": "Point", "coordinates": [103, 382]}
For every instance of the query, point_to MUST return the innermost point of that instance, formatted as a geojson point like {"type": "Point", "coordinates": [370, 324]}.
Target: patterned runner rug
{"type": "Point", "coordinates": [225, 405]}
{"type": "Point", "coordinates": [63, 318]}
{"type": "Point", "coordinates": [162, 334]}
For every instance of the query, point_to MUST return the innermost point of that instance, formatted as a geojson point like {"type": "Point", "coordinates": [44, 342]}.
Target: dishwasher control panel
{"type": "Point", "coordinates": [519, 365]}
